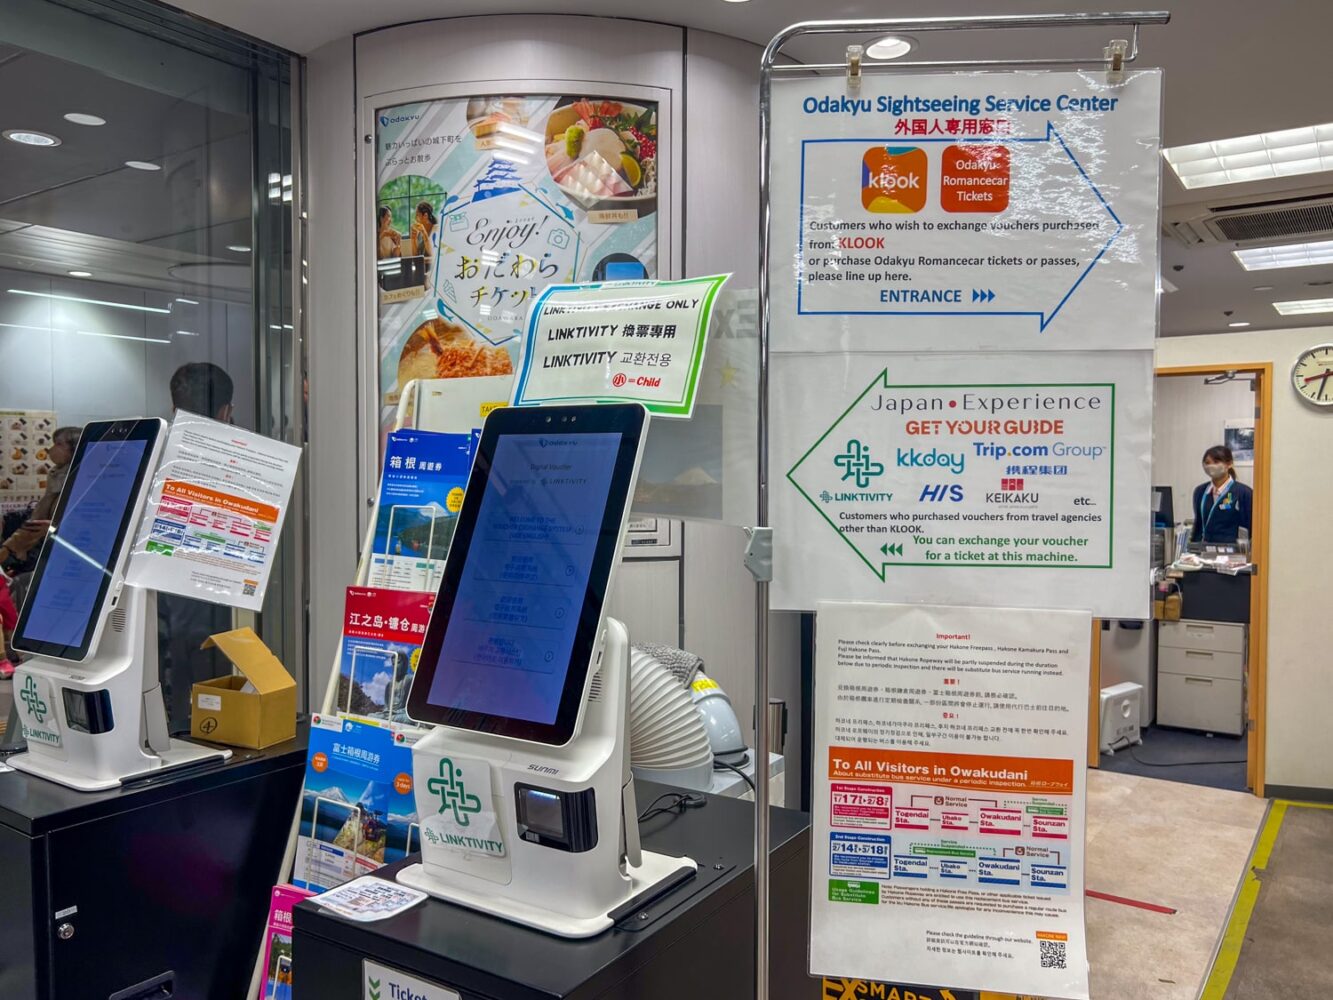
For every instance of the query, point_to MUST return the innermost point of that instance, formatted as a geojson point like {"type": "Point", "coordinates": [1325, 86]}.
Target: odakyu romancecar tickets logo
{"type": "Point", "coordinates": [893, 179]}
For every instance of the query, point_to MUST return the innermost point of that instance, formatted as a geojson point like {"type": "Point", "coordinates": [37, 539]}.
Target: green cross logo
{"type": "Point", "coordinates": [453, 794]}
{"type": "Point", "coordinates": [856, 461]}
{"type": "Point", "coordinates": [32, 698]}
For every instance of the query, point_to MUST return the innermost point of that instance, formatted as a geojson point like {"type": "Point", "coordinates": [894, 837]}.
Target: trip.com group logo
{"type": "Point", "coordinates": [893, 179]}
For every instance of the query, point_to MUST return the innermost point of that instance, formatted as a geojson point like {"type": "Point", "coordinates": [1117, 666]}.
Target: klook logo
{"type": "Point", "coordinates": [453, 793]}
{"type": "Point", "coordinates": [893, 179]}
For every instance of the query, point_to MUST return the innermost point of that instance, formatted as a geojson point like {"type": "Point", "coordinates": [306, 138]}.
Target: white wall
{"type": "Point", "coordinates": [1299, 747]}
{"type": "Point", "coordinates": [1188, 418]}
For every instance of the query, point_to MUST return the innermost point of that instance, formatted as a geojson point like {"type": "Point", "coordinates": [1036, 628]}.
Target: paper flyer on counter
{"type": "Point", "coordinates": [1021, 478]}
{"type": "Point", "coordinates": [358, 812]}
{"type": "Point", "coordinates": [995, 211]}
{"type": "Point", "coordinates": [212, 522]}
{"type": "Point", "coordinates": [277, 983]}
{"type": "Point", "coordinates": [421, 492]}
{"type": "Point", "coordinates": [949, 797]}
{"type": "Point", "coordinates": [618, 342]}
{"type": "Point", "coordinates": [382, 634]}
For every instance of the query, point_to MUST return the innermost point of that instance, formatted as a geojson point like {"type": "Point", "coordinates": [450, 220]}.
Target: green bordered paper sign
{"type": "Point", "coordinates": [618, 342]}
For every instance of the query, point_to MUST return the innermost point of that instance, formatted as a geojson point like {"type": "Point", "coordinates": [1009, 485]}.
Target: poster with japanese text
{"type": "Point", "coordinates": [482, 202]}
{"type": "Point", "coordinates": [949, 797]}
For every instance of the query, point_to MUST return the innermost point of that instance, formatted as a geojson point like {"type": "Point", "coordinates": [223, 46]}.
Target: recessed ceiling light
{"type": "Point", "coordinates": [27, 137]}
{"type": "Point", "coordinates": [143, 165]}
{"type": "Point", "coordinates": [91, 302]}
{"type": "Point", "coordinates": [1291, 255]}
{"type": "Point", "coordinates": [80, 274]}
{"type": "Point", "coordinates": [189, 302]}
{"type": "Point", "coordinates": [889, 47]}
{"type": "Point", "coordinates": [1263, 288]}
{"type": "Point", "coordinates": [735, 1]}
{"type": "Point", "coordinates": [1304, 307]}
{"type": "Point", "coordinates": [1258, 157]}
{"type": "Point", "coordinates": [1237, 326]}
{"type": "Point", "coordinates": [79, 118]}
{"type": "Point", "coordinates": [238, 248]}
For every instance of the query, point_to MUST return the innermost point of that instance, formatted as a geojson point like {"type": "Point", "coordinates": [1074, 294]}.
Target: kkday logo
{"type": "Point", "coordinates": [893, 179]}
{"type": "Point", "coordinates": [387, 120]}
{"type": "Point", "coordinates": [453, 793]}
{"type": "Point", "coordinates": [915, 458]}
{"type": "Point", "coordinates": [32, 699]}
{"type": "Point", "coordinates": [857, 462]}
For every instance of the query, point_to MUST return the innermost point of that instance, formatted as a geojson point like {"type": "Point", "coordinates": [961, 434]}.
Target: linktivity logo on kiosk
{"type": "Point", "coordinates": [32, 700]}
{"type": "Point", "coordinates": [453, 793]}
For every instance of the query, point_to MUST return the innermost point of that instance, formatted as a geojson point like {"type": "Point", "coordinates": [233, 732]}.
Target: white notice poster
{"type": "Point", "coordinates": [211, 526]}
{"type": "Point", "coordinates": [1019, 479]}
{"type": "Point", "coordinates": [949, 796]}
{"type": "Point", "coordinates": [997, 211]}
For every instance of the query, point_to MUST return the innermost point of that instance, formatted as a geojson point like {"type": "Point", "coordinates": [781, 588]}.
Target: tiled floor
{"type": "Point", "coordinates": [1163, 842]}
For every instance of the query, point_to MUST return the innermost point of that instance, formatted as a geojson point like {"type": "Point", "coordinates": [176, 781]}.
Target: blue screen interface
{"type": "Point", "coordinates": [506, 650]}
{"type": "Point", "coordinates": [83, 547]}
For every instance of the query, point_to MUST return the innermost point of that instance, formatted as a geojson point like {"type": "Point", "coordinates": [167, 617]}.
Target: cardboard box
{"type": "Point", "coordinates": [221, 712]}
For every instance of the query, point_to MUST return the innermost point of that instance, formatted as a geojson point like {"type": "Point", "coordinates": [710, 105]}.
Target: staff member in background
{"type": "Point", "coordinates": [1222, 506]}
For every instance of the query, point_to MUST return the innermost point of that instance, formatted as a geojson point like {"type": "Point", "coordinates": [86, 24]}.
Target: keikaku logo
{"type": "Point", "coordinates": [32, 700]}
{"type": "Point", "coordinates": [893, 179]}
{"type": "Point", "coordinates": [453, 793]}
{"type": "Point", "coordinates": [856, 462]}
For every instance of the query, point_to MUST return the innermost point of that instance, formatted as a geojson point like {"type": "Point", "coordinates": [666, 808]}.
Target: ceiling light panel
{"type": "Point", "coordinates": [1253, 157]}
{"type": "Point", "coordinates": [1304, 307]}
{"type": "Point", "coordinates": [91, 302]}
{"type": "Point", "coordinates": [1292, 255]}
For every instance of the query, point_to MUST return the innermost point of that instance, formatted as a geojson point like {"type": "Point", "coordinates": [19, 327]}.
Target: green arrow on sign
{"type": "Point", "coordinates": [891, 550]}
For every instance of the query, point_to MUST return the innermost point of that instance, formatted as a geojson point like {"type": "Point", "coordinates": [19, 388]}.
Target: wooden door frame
{"type": "Point", "coordinates": [1257, 657]}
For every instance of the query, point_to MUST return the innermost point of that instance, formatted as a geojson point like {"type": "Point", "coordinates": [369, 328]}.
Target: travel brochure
{"type": "Point", "coordinates": [382, 633]}
{"type": "Point", "coordinates": [421, 492]}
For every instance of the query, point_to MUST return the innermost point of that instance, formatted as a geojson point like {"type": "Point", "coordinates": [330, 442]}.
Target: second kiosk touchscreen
{"type": "Point", "coordinates": [515, 624]}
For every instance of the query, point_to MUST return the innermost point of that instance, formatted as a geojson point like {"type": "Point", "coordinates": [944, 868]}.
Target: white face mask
{"type": "Point", "coordinates": [1215, 471]}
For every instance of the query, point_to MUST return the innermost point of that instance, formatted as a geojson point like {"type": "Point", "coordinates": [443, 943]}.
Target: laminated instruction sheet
{"type": "Point", "coordinates": [949, 797]}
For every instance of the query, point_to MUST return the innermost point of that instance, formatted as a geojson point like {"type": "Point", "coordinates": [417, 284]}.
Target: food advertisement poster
{"type": "Point", "coordinates": [943, 211]}
{"type": "Point", "coordinates": [1015, 478]}
{"type": "Point", "coordinates": [949, 797]}
{"type": "Point", "coordinates": [213, 520]}
{"type": "Point", "coordinates": [25, 443]}
{"type": "Point", "coordinates": [482, 202]}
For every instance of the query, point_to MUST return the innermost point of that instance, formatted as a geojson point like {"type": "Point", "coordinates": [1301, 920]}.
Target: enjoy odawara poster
{"type": "Point", "coordinates": [482, 202]}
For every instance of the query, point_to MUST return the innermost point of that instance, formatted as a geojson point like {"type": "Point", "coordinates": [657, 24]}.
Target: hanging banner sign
{"type": "Point", "coordinates": [949, 797]}
{"type": "Point", "coordinates": [618, 342]}
{"type": "Point", "coordinates": [1001, 211]}
{"type": "Point", "coordinates": [212, 523]}
{"type": "Point", "coordinates": [940, 478]}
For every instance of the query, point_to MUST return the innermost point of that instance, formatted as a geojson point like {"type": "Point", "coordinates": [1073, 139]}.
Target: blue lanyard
{"type": "Point", "coordinates": [1216, 500]}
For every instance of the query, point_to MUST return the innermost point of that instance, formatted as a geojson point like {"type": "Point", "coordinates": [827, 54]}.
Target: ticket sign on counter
{"type": "Point", "coordinates": [948, 808]}
{"type": "Point", "coordinates": [618, 342]}
{"type": "Point", "coordinates": [1004, 211]}
{"type": "Point", "coordinates": [978, 479]}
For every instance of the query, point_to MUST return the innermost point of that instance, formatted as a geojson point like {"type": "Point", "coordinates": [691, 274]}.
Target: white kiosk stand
{"type": "Point", "coordinates": [524, 791]}
{"type": "Point", "coordinates": [89, 696]}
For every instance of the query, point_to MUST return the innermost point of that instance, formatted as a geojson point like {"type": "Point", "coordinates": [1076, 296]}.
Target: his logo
{"type": "Point", "coordinates": [452, 792]}
{"type": "Point", "coordinates": [938, 492]}
{"type": "Point", "coordinates": [32, 699]}
{"type": "Point", "coordinates": [893, 179]}
{"type": "Point", "coordinates": [856, 462]}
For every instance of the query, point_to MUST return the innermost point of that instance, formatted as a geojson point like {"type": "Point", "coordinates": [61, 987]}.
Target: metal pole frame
{"type": "Point", "coordinates": [768, 68]}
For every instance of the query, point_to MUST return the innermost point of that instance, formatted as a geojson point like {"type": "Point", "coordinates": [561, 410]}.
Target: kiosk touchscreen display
{"type": "Point", "coordinates": [87, 536]}
{"type": "Point", "coordinates": [515, 622]}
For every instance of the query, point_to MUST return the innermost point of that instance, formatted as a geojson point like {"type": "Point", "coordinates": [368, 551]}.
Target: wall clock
{"type": "Point", "coordinates": [1312, 375]}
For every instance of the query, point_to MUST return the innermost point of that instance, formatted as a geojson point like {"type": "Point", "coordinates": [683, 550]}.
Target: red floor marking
{"type": "Point", "coordinates": [1155, 907]}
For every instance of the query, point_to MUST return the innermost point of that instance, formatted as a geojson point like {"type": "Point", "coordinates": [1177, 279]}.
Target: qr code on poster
{"type": "Point", "coordinates": [1052, 954]}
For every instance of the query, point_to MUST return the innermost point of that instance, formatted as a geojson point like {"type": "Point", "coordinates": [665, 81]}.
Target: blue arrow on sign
{"type": "Point", "coordinates": [979, 296]}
